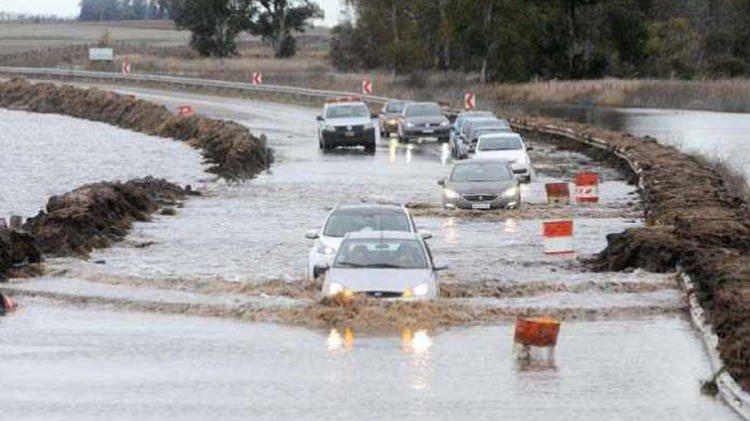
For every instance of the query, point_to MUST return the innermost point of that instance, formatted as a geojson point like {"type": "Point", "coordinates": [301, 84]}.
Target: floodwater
{"type": "Point", "coordinates": [91, 364]}
{"type": "Point", "coordinates": [713, 134]}
{"type": "Point", "coordinates": [45, 154]}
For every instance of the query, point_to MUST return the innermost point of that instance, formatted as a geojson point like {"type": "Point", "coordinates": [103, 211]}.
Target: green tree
{"type": "Point", "coordinates": [214, 24]}
{"type": "Point", "coordinates": [277, 19]}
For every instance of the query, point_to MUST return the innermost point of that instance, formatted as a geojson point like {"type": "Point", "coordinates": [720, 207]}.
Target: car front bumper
{"type": "Point", "coordinates": [342, 138]}
{"type": "Point", "coordinates": [499, 202]}
{"type": "Point", "coordinates": [442, 133]}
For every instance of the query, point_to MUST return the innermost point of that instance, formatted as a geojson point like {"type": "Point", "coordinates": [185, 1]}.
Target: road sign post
{"type": "Point", "coordinates": [257, 79]}
{"type": "Point", "coordinates": [470, 100]}
{"type": "Point", "coordinates": [367, 87]}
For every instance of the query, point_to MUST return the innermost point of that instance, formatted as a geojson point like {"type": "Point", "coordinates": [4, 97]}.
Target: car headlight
{"type": "Point", "coordinates": [368, 126]}
{"type": "Point", "coordinates": [324, 249]}
{"type": "Point", "coordinates": [334, 288]}
{"type": "Point", "coordinates": [445, 123]}
{"type": "Point", "coordinates": [392, 121]}
{"type": "Point", "coordinates": [450, 194]}
{"type": "Point", "coordinates": [329, 128]}
{"type": "Point", "coordinates": [409, 124]}
{"type": "Point", "coordinates": [420, 290]}
{"type": "Point", "coordinates": [511, 192]}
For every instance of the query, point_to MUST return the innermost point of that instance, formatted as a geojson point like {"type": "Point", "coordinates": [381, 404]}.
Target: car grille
{"type": "Point", "coordinates": [383, 294]}
{"type": "Point", "coordinates": [480, 197]}
{"type": "Point", "coordinates": [357, 128]}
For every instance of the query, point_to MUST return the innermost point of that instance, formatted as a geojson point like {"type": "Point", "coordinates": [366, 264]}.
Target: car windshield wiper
{"type": "Point", "coordinates": [351, 265]}
{"type": "Point", "coordinates": [386, 265]}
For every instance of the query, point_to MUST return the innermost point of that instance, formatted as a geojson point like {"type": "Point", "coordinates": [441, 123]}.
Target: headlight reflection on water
{"type": "Point", "coordinates": [417, 342]}
{"type": "Point", "coordinates": [336, 342]}
{"type": "Point", "coordinates": [445, 153]}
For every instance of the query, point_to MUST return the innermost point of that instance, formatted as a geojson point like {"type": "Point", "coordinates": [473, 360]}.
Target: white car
{"type": "Point", "coordinates": [386, 264]}
{"type": "Point", "coordinates": [354, 218]}
{"type": "Point", "coordinates": [507, 146]}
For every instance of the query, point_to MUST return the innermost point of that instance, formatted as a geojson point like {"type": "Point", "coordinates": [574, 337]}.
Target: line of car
{"type": "Point", "coordinates": [377, 250]}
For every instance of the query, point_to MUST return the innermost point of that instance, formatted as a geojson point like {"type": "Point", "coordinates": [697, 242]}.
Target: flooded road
{"type": "Point", "coordinates": [122, 364]}
{"type": "Point", "coordinates": [63, 363]}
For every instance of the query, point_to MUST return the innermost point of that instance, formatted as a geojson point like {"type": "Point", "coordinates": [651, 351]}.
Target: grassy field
{"type": "Point", "coordinates": [157, 47]}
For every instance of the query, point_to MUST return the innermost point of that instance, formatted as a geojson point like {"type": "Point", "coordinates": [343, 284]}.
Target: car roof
{"type": "Point", "coordinates": [369, 208]}
{"type": "Point", "coordinates": [343, 103]}
{"type": "Point", "coordinates": [500, 134]}
{"type": "Point", "coordinates": [424, 103]}
{"type": "Point", "coordinates": [470, 114]}
{"type": "Point", "coordinates": [386, 235]}
{"type": "Point", "coordinates": [481, 161]}
{"type": "Point", "coordinates": [400, 101]}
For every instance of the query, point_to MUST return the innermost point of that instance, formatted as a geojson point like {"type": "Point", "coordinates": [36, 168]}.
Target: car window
{"type": "Point", "coordinates": [381, 253]}
{"type": "Point", "coordinates": [485, 171]}
{"type": "Point", "coordinates": [343, 222]}
{"type": "Point", "coordinates": [395, 107]}
{"type": "Point", "coordinates": [344, 111]}
{"type": "Point", "coordinates": [500, 143]}
{"type": "Point", "coordinates": [423, 110]}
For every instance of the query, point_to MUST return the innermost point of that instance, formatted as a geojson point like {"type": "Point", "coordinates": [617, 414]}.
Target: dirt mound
{"type": "Point", "coordinates": [16, 248]}
{"type": "Point", "coordinates": [230, 148]}
{"type": "Point", "coordinates": [96, 215]}
{"type": "Point", "coordinates": [695, 222]}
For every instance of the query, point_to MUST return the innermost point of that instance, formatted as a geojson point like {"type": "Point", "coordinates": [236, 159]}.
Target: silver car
{"type": "Point", "coordinates": [422, 120]}
{"type": "Point", "coordinates": [386, 264]}
{"type": "Point", "coordinates": [481, 184]}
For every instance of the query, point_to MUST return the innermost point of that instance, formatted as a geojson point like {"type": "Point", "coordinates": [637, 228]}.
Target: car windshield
{"type": "Point", "coordinates": [485, 171]}
{"type": "Point", "coordinates": [485, 130]}
{"type": "Point", "coordinates": [475, 124]}
{"type": "Point", "coordinates": [423, 110]}
{"type": "Point", "coordinates": [345, 221]}
{"type": "Point", "coordinates": [344, 111]}
{"type": "Point", "coordinates": [395, 107]}
{"type": "Point", "coordinates": [380, 253]}
{"type": "Point", "coordinates": [505, 143]}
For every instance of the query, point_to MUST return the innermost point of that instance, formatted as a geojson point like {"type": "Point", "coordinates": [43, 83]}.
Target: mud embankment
{"type": "Point", "coordinates": [17, 249]}
{"type": "Point", "coordinates": [230, 149]}
{"type": "Point", "coordinates": [92, 216]}
{"type": "Point", "coordinates": [96, 215]}
{"type": "Point", "coordinates": [693, 221]}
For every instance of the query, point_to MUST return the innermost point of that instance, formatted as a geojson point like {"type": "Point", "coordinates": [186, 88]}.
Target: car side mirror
{"type": "Point", "coordinates": [319, 118]}
{"type": "Point", "coordinates": [374, 115]}
{"type": "Point", "coordinates": [426, 235]}
{"type": "Point", "coordinates": [441, 268]}
{"type": "Point", "coordinates": [529, 148]}
{"type": "Point", "coordinates": [312, 235]}
{"type": "Point", "coordinates": [441, 183]}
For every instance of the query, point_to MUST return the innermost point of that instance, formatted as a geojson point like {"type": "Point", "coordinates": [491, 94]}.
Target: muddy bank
{"type": "Point", "coordinates": [17, 249]}
{"type": "Point", "coordinates": [96, 215]}
{"type": "Point", "coordinates": [695, 222]}
{"type": "Point", "coordinates": [231, 150]}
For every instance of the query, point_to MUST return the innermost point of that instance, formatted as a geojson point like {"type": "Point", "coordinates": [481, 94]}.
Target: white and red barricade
{"type": "Point", "coordinates": [587, 187]}
{"type": "Point", "coordinates": [257, 78]}
{"type": "Point", "coordinates": [558, 237]}
{"type": "Point", "coordinates": [558, 193]}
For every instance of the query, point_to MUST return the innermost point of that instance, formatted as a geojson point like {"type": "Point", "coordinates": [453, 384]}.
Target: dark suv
{"type": "Point", "coordinates": [423, 120]}
{"type": "Point", "coordinates": [346, 122]}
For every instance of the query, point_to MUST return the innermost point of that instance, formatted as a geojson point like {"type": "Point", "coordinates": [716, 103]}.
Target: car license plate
{"type": "Point", "coordinates": [428, 131]}
{"type": "Point", "coordinates": [349, 134]}
{"type": "Point", "coordinates": [480, 205]}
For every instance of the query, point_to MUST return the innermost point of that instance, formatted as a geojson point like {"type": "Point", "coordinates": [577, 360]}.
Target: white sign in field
{"type": "Point", "coordinates": [101, 54]}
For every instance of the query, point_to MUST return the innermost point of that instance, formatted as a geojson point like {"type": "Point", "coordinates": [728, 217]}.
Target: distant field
{"type": "Point", "coordinates": [20, 37]}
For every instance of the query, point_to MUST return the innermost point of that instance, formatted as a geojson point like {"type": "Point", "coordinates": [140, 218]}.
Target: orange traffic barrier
{"type": "Point", "coordinates": [557, 193]}
{"type": "Point", "coordinates": [587, 187]}
{"type": "Point", "coordinates": [537, 331]}
{"type": "Point", "coordinates": [185, 111]}
{"type": "Point", "coordinates": [558, 237]}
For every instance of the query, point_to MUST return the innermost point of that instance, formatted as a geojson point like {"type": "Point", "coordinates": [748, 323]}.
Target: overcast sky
{"type": "Point", "coordinates": [70, 8]}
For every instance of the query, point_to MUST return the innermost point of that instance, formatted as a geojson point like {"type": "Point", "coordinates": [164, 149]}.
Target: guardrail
{"type": "Point", "coordinates": [293, 91]}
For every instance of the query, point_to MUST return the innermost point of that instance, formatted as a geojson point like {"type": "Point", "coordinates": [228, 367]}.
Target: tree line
{"type": "Point", "coordinates": [114, 10]}
{"type": "Point", "coordinates": [215, 24]}
{"type": "Point", "coordinates": [515, 40]}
